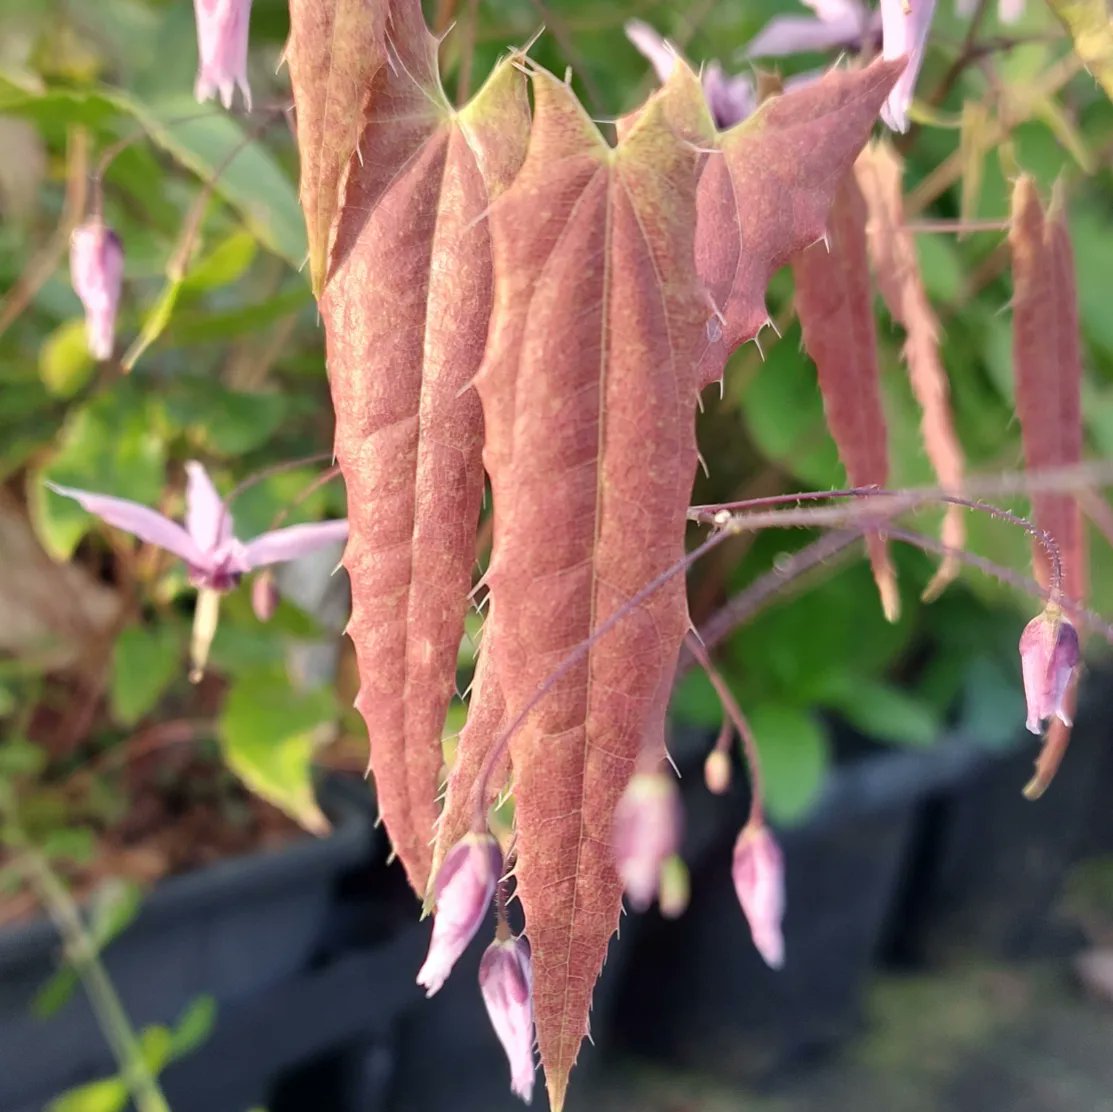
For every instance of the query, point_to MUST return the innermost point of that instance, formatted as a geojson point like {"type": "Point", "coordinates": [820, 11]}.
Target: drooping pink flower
{"type": "Point", "coordinates": [1049, 656]}
{"type": "Point", "coordinates": [464, 887]}
{"type": "Point", "coordinates": [730, 98]}
{"type": "Point", "coordinates": [648, 822]}
{"type": "Point", "coordinates": [215, 557]}
{"type": "Point", "coordinates": [506, 982]}
{"type": "Point", "coordinates": [222, 27]}
{"type": "Point", "coordinates": [97, 272]}
{"type": "Point", "coordinates": [264, 595]}
{"type": "Point", "coordinates": [759, 882]}
{"type": "Point", "coordinates": [836, 25]}
{"type": "Point", "coordinates": [905, 26]}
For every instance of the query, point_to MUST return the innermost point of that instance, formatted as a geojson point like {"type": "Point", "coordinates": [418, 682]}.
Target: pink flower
{"type": "Point", "coordinates": [647, 826]}
{"type": "Point", "coordinates": [506, 981]}
{"type": "Point", "coordinates": [1049, 656]}
{"type": "Point", "coordinates": [463, 889]}
{"type": "Point", "coordinates": [836, 25]}
{"type": "Point", "coordinates": [97, 271]}
{"type": "Point", "coordinates": [730, 98]}
{"type": "Point", "coordinates": [264, 596]}
{"type": "Point", "coordinates": [759, 881]}
{"type": "Point", "coordinates": [216, 559]}
{"type": "Point", "coordinates": [905, 26]}
{"type": "Point", "coordinates": [222, 27]}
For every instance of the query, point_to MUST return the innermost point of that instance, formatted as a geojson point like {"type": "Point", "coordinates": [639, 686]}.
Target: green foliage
{"type": "Point", "coordinates": [144, 662]}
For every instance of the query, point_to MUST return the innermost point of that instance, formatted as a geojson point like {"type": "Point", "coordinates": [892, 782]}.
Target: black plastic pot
{"type": "Point", "coordinates": [238, 931]}
{"type": "Point", "coordinates": [992, 864]}
{"type": "Point", "coordinates": [700, 995]}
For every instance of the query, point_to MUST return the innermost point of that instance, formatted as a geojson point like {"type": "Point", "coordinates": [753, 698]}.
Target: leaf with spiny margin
{"type": "Point", "coordinates": [893, 252]}
{"type": "Point", "coordinates": [1090, 25]}
{"type": "Point", "coordinates": [834, 300]}
{"type": "Point", "coordinates": [589, 390]}
{"type": "Point", "coordinates": [766, 190]}
{"type": "Point", "coordinates": [1047, 364]}
{"type": "Point", "coordinates": [406, 310]}
{"type": "Point", "coordinates": [334, 50]}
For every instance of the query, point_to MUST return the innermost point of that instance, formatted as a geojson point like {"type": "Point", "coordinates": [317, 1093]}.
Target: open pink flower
{"type": "Point", "coordinates": [1049, 656]}
{"type": "Point", "coordinates": [215, 557]}
{"type": "Point", "coordinates": [464, 888]}
{"type": "Point", "coordinates": [759, 883]}
{"type": "Point", "coordinates": [836, 25]}
{"type": "Point", "coordinates": [97, 272]}
{"type": "Point", "coordinates": [506, 982]}
{"type": "Point", "coordinates": [222, 27]}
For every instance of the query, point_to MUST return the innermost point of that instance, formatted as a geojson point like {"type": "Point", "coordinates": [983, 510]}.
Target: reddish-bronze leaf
{"type": "Point", "coordinates": [406, 311]}
{"type": "Point", "coordinates": [589, 392]}
{"type": "Point", "coordinates": [893, 251]}
{"type": "Point", "coordinates": [834, 300]}
{"type": "Point", "coordinates": [765, 193]}
{"type": "Point", "coordinates": [485, 724]}
{"type": "Point", "coordinates": [1047, 364]}
{"type": "Point", "coordinates": [334, 49]}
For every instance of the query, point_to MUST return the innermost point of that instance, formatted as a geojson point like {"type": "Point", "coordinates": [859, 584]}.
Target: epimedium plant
{"type": "Point", "coordinates": [506, 294]}
{"type": "Point", "coordinates": [499, 283]}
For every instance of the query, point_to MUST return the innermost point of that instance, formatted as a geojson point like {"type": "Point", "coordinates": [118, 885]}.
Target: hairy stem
{"type": "Point", "coordinates": [82, 954]}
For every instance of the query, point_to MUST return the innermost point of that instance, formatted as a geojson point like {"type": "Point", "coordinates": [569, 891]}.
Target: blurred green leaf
{"type": "Point", "coordinates": [112, 445]}
{"type": "Point", "coordinates": [267, 730]}
{"type": "Point", "coordinates": [108, 1095]}
{"type": "Point", "coordinates": [193, 1027]}
{"type": "Point", "coordinates": [223, 265]}
{"type": "Point", "coordinates": [74, 844]}
{"type": "Point", "coordinates": [222, 421]}
{"type": "Point", "coordinates": [880, 710]}
{"type": "Point", "coordinates": [19, 757]}
{"type": "Point", "coordinates": [694, 701]}
{"type": "Point", "coordinates": [1091, 28]}
{"type": "Point", "coordinates": [55, 993]}
{"type": "Point", "coordinates": [65, 365]}
{"type": "Point", "coordinates": [154, 323]}
{"type": "Point", "coordinates": [155, 1043]}
{"type": "Point", "coordinates": [794, 751]}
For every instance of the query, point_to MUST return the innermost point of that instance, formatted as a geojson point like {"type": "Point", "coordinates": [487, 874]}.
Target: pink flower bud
{"type": "Point", "coordinates": [264, 595]}
{"type": "Point", "coordinates": [1049, 656]}
{"type": "Point", "coordinates": [463, 890]}
{"type": "Point", "coordinates": [716, 772]}
{"type": "Point", "coordinates": [97, 271]}
{"type": "Point", "coordinates": [506, 981]}
{"type": "Point", "coordinates": [759, 881]}
{"type": "Point", "coordinates": [647, 827]}
{"type": "Point", "coordinates": [222, 47]}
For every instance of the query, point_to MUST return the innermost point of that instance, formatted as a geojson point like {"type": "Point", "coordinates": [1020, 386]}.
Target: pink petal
{"type": "Point", "coordinates": [798, 34]}
{"type": "Point", "coordinates": [281, 545]}
{"type": "Point", "coordinates": [1009, 11]}
{"type": "Point", "coordinates": [206, 519]}
{"type": "Point", "coordinates": [904, 33]}
{"type": "Point", "coordinates": [141, 521]}
{"type": "Point", "coordinates": [222, 37]}
{"type": "Point", "coordinates": [659, 52]}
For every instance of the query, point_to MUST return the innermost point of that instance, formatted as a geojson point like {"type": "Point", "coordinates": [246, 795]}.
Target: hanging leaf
{"type": "Point", "coordinates": [834, 300]}
{"type": "Point", "coordinates": [406, 310]}
{"type": "Point", "coordinates": [893, 251]}
{"type": "Point", "coordinates": [1047, 363]}
{"type": "Point", "coordinates": [335, 49]}
{"type": "Point", "coordinates": [765, 193]}
{"type": "Point", "coordinates": [589, 394]}
{"type": "Point", "coordinates": [1091, 27]}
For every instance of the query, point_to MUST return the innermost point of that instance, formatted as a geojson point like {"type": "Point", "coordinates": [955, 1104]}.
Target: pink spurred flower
{"type": "Point", "coordinates": [506, 982]}
{"type": "Point", "coordinates": [836, 25]}
{"type": "Point", "coordinates": [463, 889]}
{"type": "Point", "coordinates": [222, 27]}
{"type": "Point", "coordinates": [215, 557]}
{"type": "Point", "coordinates": [905, 26]}
{"type": "Point", "coordinates": [759, 882]}
{"type": "Point", "coordinates": [648, 823]}
{"type": "Point", "coordinates": [1049, 657]}
{"type": "Point", "coordinates": [730, 98]}
{"type": "Point", "coordinates": [97, 271]}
